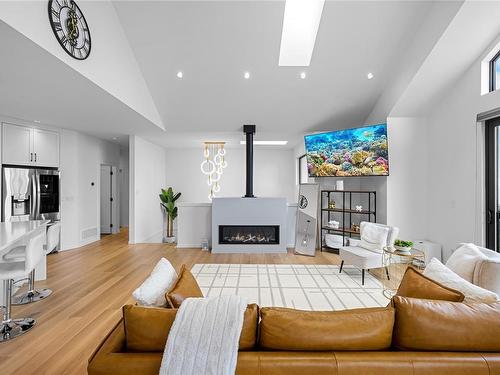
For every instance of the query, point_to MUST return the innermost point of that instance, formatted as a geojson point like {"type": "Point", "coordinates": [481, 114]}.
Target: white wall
{"type": "Point", "coordinates": [147, 176]}
{"type": "Point", "coordinates": [111, 59]}
{"type": "Point", "coordinates": [81, 159]}
{"type": "Point", "coordinates": [124, 186]}
{"type": "Point", "coordinates": [407, 183]}
{"type": "Point", "coordinates": [456, 171]}
{"type": "Point", "coordinates": [274, 173]}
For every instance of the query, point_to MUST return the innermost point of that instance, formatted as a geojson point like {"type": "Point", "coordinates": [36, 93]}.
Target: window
{"type": "Point", "coordinates": [495, 73]}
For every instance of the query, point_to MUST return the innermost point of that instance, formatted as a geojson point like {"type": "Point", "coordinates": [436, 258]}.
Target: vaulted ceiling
{"type": "Point", "coordinates": [213, 43]}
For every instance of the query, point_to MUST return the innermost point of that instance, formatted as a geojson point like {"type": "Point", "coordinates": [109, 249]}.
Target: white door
{"type": "Point", "coordinates": [16, 142]}
{"type": "Point", "coordinates": [106, 199]}
{"type": "Point", "coordinates": [46, 148]}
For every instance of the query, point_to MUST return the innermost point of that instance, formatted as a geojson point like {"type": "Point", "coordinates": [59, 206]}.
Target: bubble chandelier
{"type": "Point", "coordinates": [213, 165]}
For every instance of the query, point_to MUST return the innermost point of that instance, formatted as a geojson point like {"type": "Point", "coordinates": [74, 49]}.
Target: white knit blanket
{"type": "Point", "coordinates": [204, 337]}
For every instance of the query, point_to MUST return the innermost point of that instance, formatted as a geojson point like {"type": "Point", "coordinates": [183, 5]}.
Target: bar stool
{"type": "Point", "coordinates": [53, 238]}
{"type": "Point", "coordinates": [11, 328]}
{"type": "Point", "coordinates": [19, 254]}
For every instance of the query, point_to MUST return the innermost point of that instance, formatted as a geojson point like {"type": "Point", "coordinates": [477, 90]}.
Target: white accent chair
{"type": "Point", "coordinates": [487, 272]}
{"type": "Point", "coordinates": [363, 254]}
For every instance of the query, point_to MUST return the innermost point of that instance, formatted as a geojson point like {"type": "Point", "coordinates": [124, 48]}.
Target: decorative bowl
{"type": "Point", "coordinates": [403, 249]}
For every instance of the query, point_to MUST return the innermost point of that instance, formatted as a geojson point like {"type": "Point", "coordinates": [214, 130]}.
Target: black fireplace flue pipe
{"type": "Point", "coordinates": [249, 130]}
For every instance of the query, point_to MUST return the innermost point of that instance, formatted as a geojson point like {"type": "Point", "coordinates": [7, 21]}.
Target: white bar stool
{"type": "Point", "coordinates": [53, 238]}
{"type": "Point", "coordinates": [19, 254]}
{"type": "Point", "coordinates": [11, 270]}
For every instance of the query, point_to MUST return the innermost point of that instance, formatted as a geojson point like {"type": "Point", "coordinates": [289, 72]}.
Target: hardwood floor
{"type": "Point", "coordinates": [90, 286]}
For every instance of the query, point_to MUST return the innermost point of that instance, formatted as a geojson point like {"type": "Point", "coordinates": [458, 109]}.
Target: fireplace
{"type": "Point", "coordinates": [249, 225]}
{"type": "Point", "coordinates": [249, 234]}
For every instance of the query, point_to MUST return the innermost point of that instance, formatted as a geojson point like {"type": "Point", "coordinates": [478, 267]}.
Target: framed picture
{"type": "Point", "coordinates": [306, 231]}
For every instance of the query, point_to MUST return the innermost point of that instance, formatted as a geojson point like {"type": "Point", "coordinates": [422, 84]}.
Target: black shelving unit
{"type": "Point", "coordinates": [345, 213]}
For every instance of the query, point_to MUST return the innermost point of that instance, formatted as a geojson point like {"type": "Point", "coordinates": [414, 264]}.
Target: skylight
{"type": "Point", "coordinates": [300, 26]}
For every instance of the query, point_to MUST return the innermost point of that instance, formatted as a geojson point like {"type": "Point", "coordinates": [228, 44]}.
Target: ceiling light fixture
{"type": "Point", "coordinates": [246, 75]}
{"type": "Point", "coordinates": [300, 27]}
{"type": "Point", "coordinates": [303, 75]}
{"type": "Point", "coordinates": [213, 165]}
{"type": "Point", "coordinates": [179, 75]}
{"type": "Point", "coordinates": [266, 143]}
{"type": "Point", "coordinates": [369, 75]}
{"type": "Point", "coordinates": [37, 121]}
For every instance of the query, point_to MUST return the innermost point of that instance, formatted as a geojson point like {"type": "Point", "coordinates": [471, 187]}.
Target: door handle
{"type": "Point", "coordinates": [35, 157]}
{"type": "Point", "coordinates": [31, 156]}
{"type": "Point", "coordinates": [490, 217]}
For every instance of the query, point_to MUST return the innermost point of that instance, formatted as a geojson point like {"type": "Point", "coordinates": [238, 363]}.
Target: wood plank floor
{"type": "Point", "coordinates": [90, 286]}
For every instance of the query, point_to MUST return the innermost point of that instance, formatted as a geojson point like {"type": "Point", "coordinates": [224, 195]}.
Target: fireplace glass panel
{"type": "Point", "coordinates": [249, 234]}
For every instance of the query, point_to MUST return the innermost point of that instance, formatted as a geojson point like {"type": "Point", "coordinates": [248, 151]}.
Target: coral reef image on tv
{"type": "Point", "coordinates": [350, 152]}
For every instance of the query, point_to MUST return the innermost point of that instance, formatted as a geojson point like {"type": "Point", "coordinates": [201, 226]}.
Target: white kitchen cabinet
{"type": "Point", "coordinates": [16, 142]}
{"type": "Point", "coordinates": [46, 148]}
{"type": "Point", "coordinates": [22, 145]}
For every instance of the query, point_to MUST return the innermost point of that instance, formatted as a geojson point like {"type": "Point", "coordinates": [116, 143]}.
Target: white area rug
{"type": "Point", "coordinates": [305, 287]}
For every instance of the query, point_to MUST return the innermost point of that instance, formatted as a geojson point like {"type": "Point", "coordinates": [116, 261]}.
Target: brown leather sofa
{"type": "Point", "coordinates": [413, 336]}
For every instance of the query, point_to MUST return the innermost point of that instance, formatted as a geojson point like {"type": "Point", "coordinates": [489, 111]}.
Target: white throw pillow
{"type": "Point", "coordinates": [373, 237]}
{"type": "Point", "coordinates": [437, 271]}
{"type": "Point", "coordinates": [464, 259]}
{"type": "Point", "coordinates": [152, 290]}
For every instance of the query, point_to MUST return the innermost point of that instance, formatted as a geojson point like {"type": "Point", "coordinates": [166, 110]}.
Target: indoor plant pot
{"type": "Point", "coordinates": [403, 246]}
{"type": "Point", "coordinates": [168, 199]}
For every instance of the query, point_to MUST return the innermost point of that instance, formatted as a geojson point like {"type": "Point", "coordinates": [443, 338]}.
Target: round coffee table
{"type": "Point", "coordinates": [396, 262]}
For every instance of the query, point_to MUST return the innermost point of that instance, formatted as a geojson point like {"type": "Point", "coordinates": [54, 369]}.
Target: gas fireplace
{"type": "Point", "coordinates": [249, 234]}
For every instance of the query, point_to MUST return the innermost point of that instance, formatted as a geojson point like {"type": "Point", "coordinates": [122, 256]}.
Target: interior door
{"type": "Point", "coordinates": [46, 148]}
{"type": "Point", "coordinates": [16, 144]}
{"type": "Point", "coordinates": [106, 209]}
{"type": "Point", "coordinates": [492, 183]}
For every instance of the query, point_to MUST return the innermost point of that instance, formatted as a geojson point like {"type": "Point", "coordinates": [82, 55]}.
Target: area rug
{"type": "Point", "coordinates": [305, 287]}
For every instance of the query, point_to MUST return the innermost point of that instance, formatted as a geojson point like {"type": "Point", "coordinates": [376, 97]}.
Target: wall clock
{"type": "Point", "coordinates": [70, 28]}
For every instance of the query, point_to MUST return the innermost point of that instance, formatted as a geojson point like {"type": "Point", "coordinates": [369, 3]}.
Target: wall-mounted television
{"type": "Point", "coordinates": [349, 152]}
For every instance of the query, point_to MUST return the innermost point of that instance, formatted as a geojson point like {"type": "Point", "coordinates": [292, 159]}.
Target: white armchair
{"type": "Point", "coordinates": [368, 252]}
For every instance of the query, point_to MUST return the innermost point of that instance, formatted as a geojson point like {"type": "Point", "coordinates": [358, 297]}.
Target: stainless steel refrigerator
{"type": "Point", "coordinates": [30, 194]}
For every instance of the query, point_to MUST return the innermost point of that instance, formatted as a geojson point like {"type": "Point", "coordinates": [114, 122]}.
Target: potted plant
{"type": "Point", "coordinates": [403, 246]}
{"type": "Point", "coordinates": [168, 199]}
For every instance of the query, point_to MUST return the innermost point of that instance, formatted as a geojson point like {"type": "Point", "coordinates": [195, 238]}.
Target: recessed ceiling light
{"type": "Point", "coordinates": [303, 75]}
{"type": "Point", "coordinates": [246, 75]}
{"type": "Point", "coordinates": [266, 143]}
{"type": "Point", "coordinates": [369, 75]}
{"type": "Point", "coordinates": [300, 26]}
{"type": "Point", "coordinates": [179, 75]}
{"type": "Point", "coordinates": [115, 138]}
{"type": "Point", "coordinates": [37, 121]}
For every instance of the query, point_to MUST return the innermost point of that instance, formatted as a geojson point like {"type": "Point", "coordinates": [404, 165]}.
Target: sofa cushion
{"type": "Point", "coordinates": [464, 259]}
{"type": "Point", "coordinates": [446, 326]}
{"type": "Point", "coordinates": [440, 273]}
{"type": "Point", "coordinates": [147, 328]}
{"type": "Point", "coordinates": [358, 329]}
{"type": "Point", "coordinates": [185, 286]}
{"type": "Point", "coordinates": [152, 291]}
{"type": "Point", "coordinates": [416, 285]}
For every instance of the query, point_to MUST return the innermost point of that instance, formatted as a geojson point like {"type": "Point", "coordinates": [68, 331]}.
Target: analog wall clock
{"type": "Point", "coordinates": [70, 28]}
